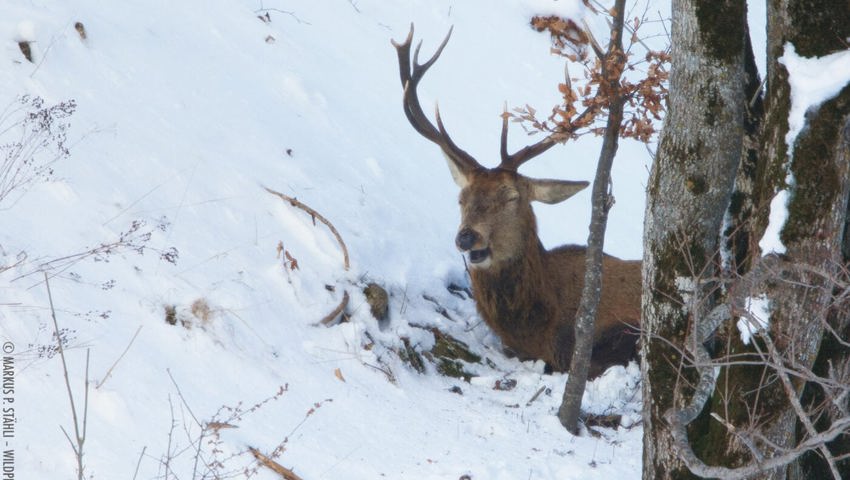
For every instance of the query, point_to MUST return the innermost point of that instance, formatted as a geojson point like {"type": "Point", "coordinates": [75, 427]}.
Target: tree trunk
{"type": "Point", "coordinates": [817, 207]}
{"type": "Point", "coordinates": [690, 188]}
{"type": "Point", "coordinates": [682, 226]}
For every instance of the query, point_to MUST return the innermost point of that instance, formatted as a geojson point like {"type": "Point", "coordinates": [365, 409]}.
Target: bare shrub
{"type": "Point", "coordinates": [201, 310]}
{"type": "Point", "coordinates": [33, 136]}
{"type": "Point", "coordinates": [823, 417]}
{"type": "Point", "coordinates": [201, 442]}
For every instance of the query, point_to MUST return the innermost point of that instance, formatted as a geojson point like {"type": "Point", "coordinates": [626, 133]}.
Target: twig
{"type": "Point", "coordinates": [109, 372]}
{"type": "Point", "coordinates": [286, 12]}
{"type": "Point", "coordinates": [80, 438]}
{"type": "Point", "coordinates": [752, 101]}
{"type": "Point", "coordinates": [284, 472]}
{"type": "Point", "coordinates": [46, 51]}
{"type": "Point", "coordinates": [168, 453]}
{"type": "Point", "coordinates": [85, 407]}
{"type": "Point", "coordinates": [139, 463]}
{"type": "Point", "coordinates": [189, 409]}
{"type": "Point", "coordinates": [386, 371]}
{"type": "Point", "coordinates": [767, 269]}
{"type": "Point", "coordinates": [328, 320]}
{"type": "Point", "coordinates": [745, 439]}
{"type": "Point", "coordinates": [183, 399]}
{"type": "Point", "coordinates": [316, 216]}
{"type": "Point", "coordinates": [791, 394]}
{"type": "Point", "coordinates": [533, 398]}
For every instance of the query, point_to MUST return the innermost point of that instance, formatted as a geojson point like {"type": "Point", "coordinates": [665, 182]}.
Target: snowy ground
{"type": "Point", "coordinates": [185, 110]}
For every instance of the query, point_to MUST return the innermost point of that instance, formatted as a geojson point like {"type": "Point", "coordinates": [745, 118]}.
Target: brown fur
{"type": "Point", "coordinates": [529, 296]}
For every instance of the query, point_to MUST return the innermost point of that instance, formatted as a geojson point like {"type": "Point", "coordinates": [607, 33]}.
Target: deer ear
{"type": "Point", "coordinates": [459, 174]}
{"type": "Point", "coordinates": [554, 191]}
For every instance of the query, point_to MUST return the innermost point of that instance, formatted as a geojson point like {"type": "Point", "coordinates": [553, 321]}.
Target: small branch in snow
{"type": "Point", "coordinates": [286, 12]}
{"type": "Point", "coordinates": [536, 395]}
{"type": "Point", "coordinates": [330, 319]}
{"type": "Point", "coordinates": [284, 472]}
{"type": "Point", "coordinates": [316, 216]}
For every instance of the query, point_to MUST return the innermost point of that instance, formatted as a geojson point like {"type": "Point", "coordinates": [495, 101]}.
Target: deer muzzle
{"type": "Point", "coordinates": [466, 240]}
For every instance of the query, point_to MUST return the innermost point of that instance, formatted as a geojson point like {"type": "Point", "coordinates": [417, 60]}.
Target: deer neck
{"type": "Point", "coordinates": [508, 295]}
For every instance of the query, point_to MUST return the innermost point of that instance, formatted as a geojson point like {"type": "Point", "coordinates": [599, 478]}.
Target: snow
{"type": "Point", "coordinates": [813, 81]}
{"type": "Point", "coordinates": [757, 318]}
{"type": "Point", "coordinates": [770, 241]}
{"type": "Point", "coordinates": [757, 23]}
{"type": "Point", "coordinates": [185, 111]}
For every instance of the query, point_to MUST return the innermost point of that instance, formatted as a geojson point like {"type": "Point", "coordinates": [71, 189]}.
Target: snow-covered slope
{"type": "Point", "coordinates": [185, 110]}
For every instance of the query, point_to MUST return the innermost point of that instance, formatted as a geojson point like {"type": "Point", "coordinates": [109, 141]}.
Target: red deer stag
{"type": "Point", "coordinates": [528, 295]}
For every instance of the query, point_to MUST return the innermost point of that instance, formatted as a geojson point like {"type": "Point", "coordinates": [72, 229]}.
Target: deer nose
{"type": "Point", "coordinates": [466, 238]}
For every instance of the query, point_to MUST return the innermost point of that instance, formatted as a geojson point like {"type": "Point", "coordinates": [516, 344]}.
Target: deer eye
{"type": "Point", "coordinates": [508, 195]}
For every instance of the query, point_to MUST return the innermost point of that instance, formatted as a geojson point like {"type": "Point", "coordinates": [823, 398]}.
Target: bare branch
{"type": "Point", "coordinates": [330, 319]}
{"type": "Point", "coordinates": [316, 216]}
{"type": "Point", "coordinates": [783, 366]}
{"type": "Point", "coordinates": [79, 433]}
{"type": "Point", "coordinates": [109, 372]}
{"type": "Point", "coordinates": [284, 472]}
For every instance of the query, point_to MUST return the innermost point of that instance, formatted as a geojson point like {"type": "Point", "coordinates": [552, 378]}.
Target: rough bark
{"type": "Point", "coordinates": [814, 231]}
{"type": "Point", "coordinates": [690, 188]}
{"type": "Point", "coordinates": [746, 220]}
{"type": "Point", "coordinates": [814, 234]}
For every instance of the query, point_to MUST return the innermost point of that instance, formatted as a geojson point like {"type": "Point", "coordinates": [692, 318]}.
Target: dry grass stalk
{"type": "Point", "coordinates": [109, 372]}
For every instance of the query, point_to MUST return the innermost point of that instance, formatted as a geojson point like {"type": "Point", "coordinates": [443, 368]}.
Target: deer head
{"type": "Point", "coordinates": [497, 221]}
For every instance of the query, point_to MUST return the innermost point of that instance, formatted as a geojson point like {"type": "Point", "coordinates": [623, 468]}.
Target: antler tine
{"type": "Point", "coordinates": [504, 143]}
{"type": "Point", "coordinates": [410, 77]}
{"type": "Point", "coordinates": [425, 66]}
{"type": "Point", "coordinates": [403, 50]}
{"type": "Point", "coordinates": [464, 157]}
{"type": "Point", "coordinates": [513, 161]}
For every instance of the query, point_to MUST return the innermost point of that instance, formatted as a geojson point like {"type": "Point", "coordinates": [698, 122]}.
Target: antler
{"type": "Point", "coordinates": [413, 110]}
{"type": "Point", "coordinates": [513, 161]}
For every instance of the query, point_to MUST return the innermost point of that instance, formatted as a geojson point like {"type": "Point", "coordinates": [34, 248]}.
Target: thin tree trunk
{"type": "Point", "coordinates": [570, 408]}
